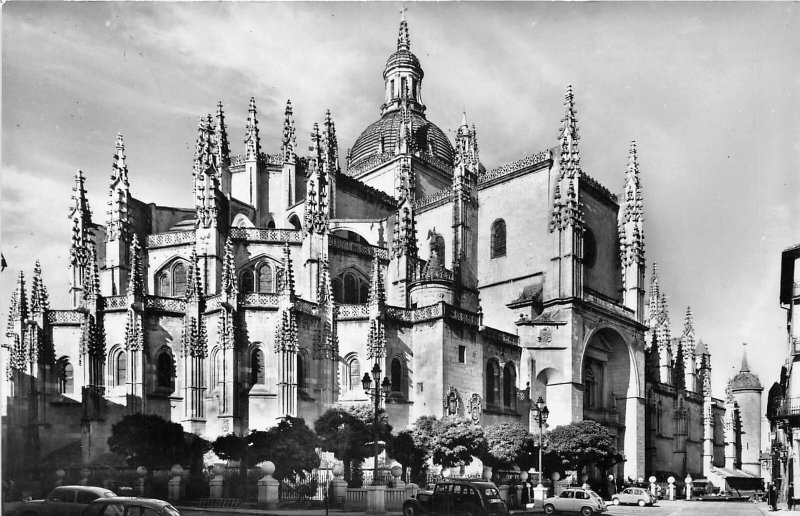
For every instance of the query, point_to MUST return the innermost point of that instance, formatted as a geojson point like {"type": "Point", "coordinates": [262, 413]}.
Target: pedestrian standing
{"type": "Point", "coordinates": [790, 496]}
{"type": "Point", "coordinates": [772, 497]}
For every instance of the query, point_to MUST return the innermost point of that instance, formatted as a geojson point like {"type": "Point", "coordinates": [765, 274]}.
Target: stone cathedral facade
{"type": "Point", "coordinates": [474, 290]}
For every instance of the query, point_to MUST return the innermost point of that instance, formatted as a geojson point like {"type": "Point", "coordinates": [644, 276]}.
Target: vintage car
{"type": "Point", "coordinates": [575, 499]}
{"type": "Point", "coordinates": [460, 497]}
{"type": "Point", "coordinates": [634, 495]}
{"type": "Point", "coordinates": [62, 501]}
{"type": "Point", "coordinates": [128, 506]}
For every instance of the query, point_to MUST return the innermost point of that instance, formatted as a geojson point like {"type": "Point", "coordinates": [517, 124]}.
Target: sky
{"type": "Point", "coordinates": [709, 91]}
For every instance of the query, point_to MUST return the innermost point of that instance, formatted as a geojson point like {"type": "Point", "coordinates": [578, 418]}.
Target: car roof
{"type": "Point", "coordinates": [147, 502]}
{"type": "Point", "coordinates": [473, 481]}
{"type": "Point", "coordinates": [93, 489]}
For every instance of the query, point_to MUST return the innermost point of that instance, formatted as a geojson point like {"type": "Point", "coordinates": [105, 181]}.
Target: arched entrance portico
{"type": "Point", "coordinates": [611, 385]}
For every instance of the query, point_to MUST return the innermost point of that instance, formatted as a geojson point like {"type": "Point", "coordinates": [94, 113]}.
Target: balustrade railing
{"type": "Point", "coordinates": [782, 407]}
{"type": "Point", "coordinates": [57, 317]}
{"type": "Point", "coordinates": [171, 238]}
{"type": "Point", "coordinates": [291, 236]}
{"type": "Point", "coordinates": [259, 300]}
{"type": "Point", "coordinates": [307, 307]}
{"type": "Point", "coordinates": [348, 312]}
{"type": "Point", "coordinates": [605, 302]}
{"type": "Point", "coordinates": [115, 303]}
{"type": "Point", "coordinates": [165, 304]}
{"type": "Point", "coordinates": [514, 166]}
{"type": "Point", "coordinates": [358, 248]}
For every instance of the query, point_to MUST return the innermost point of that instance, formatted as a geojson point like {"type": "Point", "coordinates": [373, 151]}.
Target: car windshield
{"type": "Point", "coordinates": [491, 492]}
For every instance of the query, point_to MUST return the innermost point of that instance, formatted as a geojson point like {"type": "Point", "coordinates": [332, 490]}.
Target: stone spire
{"type": "Point", "coordinates": [252, 143]}
{"type": "Point", "coordinates": [194, 281]}
{"type": "Point", "coordinates": [745, 366]}
{"type": "Point", "coordinates": [135, 287]}
{"type": "Point", "coordinates": [18, 309]}
{"type": "Point", "coordinates": [221, 148]}
{"type": "Point", "coordinates": [316, 205]}
{"type": "Point", "coordinates": [376, 338]}
{"type": "Point", "coordinates": [287, 290]}
{"type": "Point", "coordinates": [404, 242]}
{"type": "Point", "coordinates": [631, 216]}
{"type": "Point", "coordinates": [91, 284]}
{"type": "Point", "coordinates": [289, 147]}
{"type": "Point", "coordinates": [467, 145]}
{"type": "Point", "coordinates": [82, 227]}
{"type": "Point", "coordinates": [567, 211]}
{"type": "Point", "coordinates": [327, 343]}
{"type": "Point", "coordinates": [229, 287]}
{"type": "Point", "coordinates": [330, 145]}
{"type": "Point", "coordinates": [688, 337]}
{"type": "Point", "coordinates": [39, 298]}
{"type": "Point", "coordinates": [655, 298]}
{"type": "Point", "coordinates": [206, 179]}
{"type": "Point", "coordinates": [403, 40]}
{"type": "Point", "coordinates": [118, 195]}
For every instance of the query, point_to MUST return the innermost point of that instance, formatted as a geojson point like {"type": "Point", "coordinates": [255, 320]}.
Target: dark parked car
{"type": "Point", "coordinates": [126, 506]}
{"type": "Point", "coordinates": [460, 497]}
{"type": "Point", "coordinates": [63, 501]}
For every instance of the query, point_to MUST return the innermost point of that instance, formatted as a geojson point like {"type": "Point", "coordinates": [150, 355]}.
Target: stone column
{"type": "Point", "coordinates": [268, 486]}
{"type": "Point", "coordinates": [376, 499]}
{"type": "Point", "coordinates": [216, 484]}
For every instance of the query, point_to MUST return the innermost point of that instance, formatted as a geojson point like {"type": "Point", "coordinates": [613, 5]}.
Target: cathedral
{"type": "Point", "coordinates": [460, 289]}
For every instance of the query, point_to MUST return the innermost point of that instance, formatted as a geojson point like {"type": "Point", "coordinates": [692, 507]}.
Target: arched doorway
{"type": "Point", "coordinates": [609, 380]}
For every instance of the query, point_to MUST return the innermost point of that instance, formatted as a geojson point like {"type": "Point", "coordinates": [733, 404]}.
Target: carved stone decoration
{"type": "Point", "coordinates": [474, 407]}
{"type": "Point", "coordinates": [452, 402]}
{"type": "Point", "coordinates": [545, 336]}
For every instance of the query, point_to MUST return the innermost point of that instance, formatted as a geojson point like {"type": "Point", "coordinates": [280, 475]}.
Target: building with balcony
{"type": "Point", "coordinates": [783, 398]}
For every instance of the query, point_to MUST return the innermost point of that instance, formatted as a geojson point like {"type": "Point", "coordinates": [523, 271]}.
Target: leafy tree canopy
{"type": "Point", "coordinates": [291, 446]}
{"type": "Point", "coordinates": [582, 443]}
{"type": "Point", "coordinates": [148, 440]}
{"type": "Point", "coordinates": [510, 444]}
{"type": "Point", "coordinates": [451, 441]}
{"type": "Point", "coordinates": [348, 431]}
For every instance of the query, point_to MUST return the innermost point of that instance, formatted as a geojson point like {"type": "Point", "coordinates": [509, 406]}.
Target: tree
{"type": "Point", "coordinates": [148, 440]}
{"type": "Point", "coordinates": [510, 444]}
{"type": "Point", "coordinates": [291, 446]}
{"type": "Point", "coordinates": [452, 440]}
{"type": "Point", "coordinates": [348, 433]}
{"type": "Point", "coordinates": [406, 451]}
{"type": "Point", "coordinates": [583, 443]}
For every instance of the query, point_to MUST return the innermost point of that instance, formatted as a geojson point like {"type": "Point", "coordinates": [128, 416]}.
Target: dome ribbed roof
{"type": "Point", "coordinates": [367, 145]}
{"type": "Point", "coordinates": [403, 57]}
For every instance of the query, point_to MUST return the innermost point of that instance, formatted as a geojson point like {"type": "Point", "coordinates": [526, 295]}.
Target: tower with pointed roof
{"type": "Point", "coordinates": [746, 389]}
{"type": "Point", "coordinates": [118, 226]}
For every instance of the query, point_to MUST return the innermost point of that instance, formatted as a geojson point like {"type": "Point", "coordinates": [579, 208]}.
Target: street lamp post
{"type": "Point", "coordinates": [540, 413]}
{"type": "Point", "coordinates": [379, 390]}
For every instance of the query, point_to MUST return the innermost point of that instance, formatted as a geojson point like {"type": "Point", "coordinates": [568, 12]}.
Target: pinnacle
{"type": "Point", "coordinates": [745, 366]}
{"type": "Point", "coordinates": [403, 40]}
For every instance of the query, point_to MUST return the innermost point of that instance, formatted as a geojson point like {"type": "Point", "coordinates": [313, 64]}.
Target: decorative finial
{"type": "Point", "coordinates": [403, 40]}
{"type": "Point", "coordinates": [745, 366]}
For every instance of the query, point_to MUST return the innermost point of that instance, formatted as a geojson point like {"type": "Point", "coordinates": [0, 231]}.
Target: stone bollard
{"type": "Point", "coordinates": [84, 481]}
{"type": "Point", "coordinates": [411, 490]}
{"type": "Point", "coordinates": [376, 500]}
{"type": "Point", "coordinates": [539, 494]}
{"type": "Point", "coordinates": [671, 488]}
{"type": "Point", "coordinates": [141, 481]}
{"type": "Point", "coordinates": [217, 482]}
{"type": "Point", "coordinates": [688, 487]}
{"type": "Point", "coordinates": [503, 493]}
{"type": "Point", "coordinates": [268, 486]}
{"type": "Point", "coordinates": [339, 485]}
{"type": "Point", "coordinates": [397, 471]}
{"type": "Point", "coordinates": [174, 484]}
{"type": "Point", "coordinates": [653, 486]}
{"type": "Point", "coordinates": [60, 474]}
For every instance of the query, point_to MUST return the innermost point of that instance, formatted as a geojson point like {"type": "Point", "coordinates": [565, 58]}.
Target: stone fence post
{"type": "Point", "coordinates": [268, 487]}
{"type": "Point", "coordinates": [217, 482]}
{"type": "Point", "coordinates": [60, 474]}
{"type": "Point", "coordinates": [671, 487]}
{"type": "Point", "coordinates": [141, 487]}
{"type": "Point", "coordinates": [339, 485]}
{"type": "Point", "coordinates": [688, 487]}
{"type": "Point", "coordinates": [174, 484]}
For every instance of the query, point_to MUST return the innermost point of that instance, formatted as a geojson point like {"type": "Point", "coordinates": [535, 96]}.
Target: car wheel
{"type": "Point", "coordinates": [586, 511]}
{"type": "Point", "coordinates": [409, 510]}
{"type": "Point", "coordinates": [615, 501]}
{"type": "Point", "coordinates": [641, 503]}
{"type": "Point", "coordinates": [549, 509]}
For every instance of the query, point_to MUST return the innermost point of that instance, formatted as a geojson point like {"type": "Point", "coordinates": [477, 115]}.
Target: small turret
{"type": "Point", "coordinates": [252, 142]}
{"type": "Point", "coordinates": [631, 238]}
{"type": "Point", "coordinates": [746, 389]}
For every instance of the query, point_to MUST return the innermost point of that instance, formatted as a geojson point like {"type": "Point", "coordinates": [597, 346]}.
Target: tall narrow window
{"type": "Point", "coordinates": [165, 370]}
{"type": "Point", "coordinates": [265, 279]}
{"type": "Point", "coordinates": [216, 368]}
{"type": "Point", "coordinates": [363, 292]}
{"type": "Point", "coordinates": [353, 374]}
{"type": "Point", "coordinates": [248, 281]}
{"type": "Point", "coordinates": [492, 375]}
{"type": "Point", "coordinates": [66, 376]}
{"type": "Point", "coordinates": [509, 383]}
{"type": "Point", "coordinates": [589, 387]}
{"type": "Point", "coordinates": [350, 289]}
{"type": "Point", "coordinates": [164, 285]}
{"type": "Point", "coordinates": [257, 367]}
{"type": "Point", "coordinates": [301, 373]}
{"type": "Point", "coordinates": [179, 280]}
{"type": "Point", "coordinates": [120, 369]}
{"type": "Point", "coordinates": [498, 238]}
{"type": "Point", "coordinates": [397, 375]}
{"type": "Point", "coordinates": [336, 285]}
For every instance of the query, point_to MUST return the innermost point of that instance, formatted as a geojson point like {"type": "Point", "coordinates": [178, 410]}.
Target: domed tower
{"type": "Point", "coordinates": [746, 389]}
{"type": "Point", "coordinates": [402, 135]}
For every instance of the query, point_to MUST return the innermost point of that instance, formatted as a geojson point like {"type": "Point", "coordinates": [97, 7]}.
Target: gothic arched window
{"type": "Point", "coordinates": [164, 285]}
{"type": "Point", "coordinates": [589, 386]}
{"type": "Point", "coordinates": [363, 292]}
{"type": "Point", "coordinates": [498, 238]}
{"type": "Point", "coordinates": [350, 289]}
{"type": "Point", "coordinates": [248, 281]}
{"type": "Point", "coordinates": [397, 375]}
{"type": "Point", "coordinates": [352, 373]}
{"type": "Point", "coordinates": [65, 376]}
{"type": "Point", "coordinates": [301, 371]}
{"type": "Point", "coordinates": [509, 386]}
{"type": "Point", "coordinates": [336, 286]}
{"type": "Point", "coordinates": [216, 368]}
{"type": "Point", "coordinates": [492, 382]}
{"type": "Point", "coordinates": [179, 280]}
{"type": "Point", "coordinates": [120, 368]}
{"type": "Point", "coordinates": [165, 370]}
{"type": "Point", "coordinates": [265, 283]}
{"type": "Point", "coordinates": [257, 367]}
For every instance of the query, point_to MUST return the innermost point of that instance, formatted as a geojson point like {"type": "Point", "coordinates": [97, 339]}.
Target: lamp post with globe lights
{"type": "Point", "coordinates": [540, 413]}
{"type": "Point", "coordinates": [377, 390]}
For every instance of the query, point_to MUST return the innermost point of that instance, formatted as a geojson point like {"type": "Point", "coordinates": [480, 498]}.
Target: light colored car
{"type": "Point", "coordinates": [634, 495]}
{"type": "Point", "coordinates": [575, 499]}
{"type": "Point", "coordinates": [63, 501]}
{"type": "Point", "coordinates": [128, 506]}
